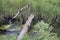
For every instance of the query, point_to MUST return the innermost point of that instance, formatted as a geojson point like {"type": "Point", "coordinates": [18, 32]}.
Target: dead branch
{"type": "Point", "coordinates": [25, 27]}
{"type": "Point", "coordinates": [20, 10]}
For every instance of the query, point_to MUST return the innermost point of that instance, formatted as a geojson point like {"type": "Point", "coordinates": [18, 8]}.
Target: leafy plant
{"type": "Point", "coordinates": [42, 31]}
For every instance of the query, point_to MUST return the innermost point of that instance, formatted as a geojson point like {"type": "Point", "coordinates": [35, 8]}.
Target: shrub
{"type": "Point", "coordinates": [42, 31]}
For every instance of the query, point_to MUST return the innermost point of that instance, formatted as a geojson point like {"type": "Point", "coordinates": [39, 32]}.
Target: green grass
{"type": "Point", "coordinates": [5, 37]}
{"type": "Point", "coordinates": [12, 37]}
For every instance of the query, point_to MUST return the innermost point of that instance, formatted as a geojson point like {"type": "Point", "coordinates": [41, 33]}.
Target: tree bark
{"type": "Point", "coordinates": [25, 27]}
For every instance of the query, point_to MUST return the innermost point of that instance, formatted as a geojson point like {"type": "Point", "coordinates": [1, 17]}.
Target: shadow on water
{"type": "Point", "coordinates": [13, 29]}
{"type": "Point", "coordinates": [7, 32]}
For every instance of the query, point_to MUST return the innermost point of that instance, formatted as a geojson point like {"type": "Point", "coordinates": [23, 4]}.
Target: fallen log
{"type": "Point", "coordinates": [25, 27]}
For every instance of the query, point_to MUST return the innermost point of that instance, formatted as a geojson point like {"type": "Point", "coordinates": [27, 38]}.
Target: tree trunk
{"type": "Point", "coordinates": [25, 27]}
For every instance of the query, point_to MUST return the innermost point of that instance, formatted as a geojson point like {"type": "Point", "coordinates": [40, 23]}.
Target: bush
{"type": "Point", "coordinates": [42, 31]}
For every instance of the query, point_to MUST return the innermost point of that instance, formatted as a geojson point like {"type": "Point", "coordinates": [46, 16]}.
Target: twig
{"type": "Point", "coordinates": [20, 10]}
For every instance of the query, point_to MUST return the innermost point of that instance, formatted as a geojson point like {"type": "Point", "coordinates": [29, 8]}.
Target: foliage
{"type": "Point", "coordinates": [9, 37]}
{"type": "Point", "coordinates": [47, 9]}
{"type": "Point", "coordinates": [42, 31]}
{"type": "Point", "coordinates": [4, 27]}
{"type": "Point", "coordinates": [1, 7]}
{"type": "Point", "coordinates": [40, 7]}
